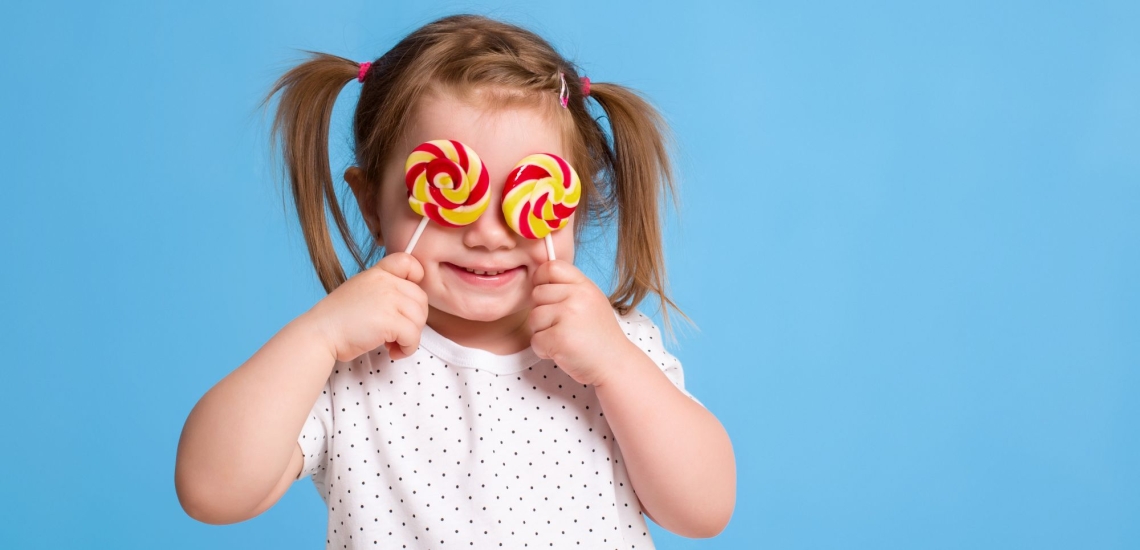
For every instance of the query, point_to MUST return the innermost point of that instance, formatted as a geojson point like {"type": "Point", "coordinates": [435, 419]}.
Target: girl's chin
{"type": "Point", "coordinates": [489, 312]}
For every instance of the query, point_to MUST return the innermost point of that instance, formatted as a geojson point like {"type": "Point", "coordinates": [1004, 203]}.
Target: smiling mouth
{"type": "Point", "coordinates": [485, 272]}
{"type": "Point", "coordinates": [478, 272]}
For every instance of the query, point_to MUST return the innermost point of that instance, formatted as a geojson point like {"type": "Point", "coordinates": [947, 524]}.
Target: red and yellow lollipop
{"type": "Point", "coordinates": [447, 182]}
{"type": "Point", "coordinates": [540, 195]}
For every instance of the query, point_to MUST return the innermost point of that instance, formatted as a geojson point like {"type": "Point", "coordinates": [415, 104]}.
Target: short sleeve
{"type": "Point", "coordinates": [314, 436]}
{"type": "Point", "coordinates": [642, 332]}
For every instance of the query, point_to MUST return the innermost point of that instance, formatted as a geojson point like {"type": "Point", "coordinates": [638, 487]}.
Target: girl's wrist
{"type": "Point", "coordinates": [310, 327]}
{"type": "Point", "coordinates": [626, 363]}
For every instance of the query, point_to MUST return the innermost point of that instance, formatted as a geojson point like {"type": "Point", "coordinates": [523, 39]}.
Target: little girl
{"type": "Point", "coordinates": [472, 393]}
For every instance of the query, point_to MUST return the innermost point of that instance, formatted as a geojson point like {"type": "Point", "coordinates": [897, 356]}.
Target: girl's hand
{"type": "Point", "coordinates": [379, 306]}
{"type": "Point", "coordinates": [573, 323]}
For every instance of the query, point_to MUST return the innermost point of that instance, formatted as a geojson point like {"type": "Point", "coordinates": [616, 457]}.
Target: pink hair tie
{"type": "Point", "coordinates": [363, 71]}
{"type": "Point", "coordinates": [585, 86]}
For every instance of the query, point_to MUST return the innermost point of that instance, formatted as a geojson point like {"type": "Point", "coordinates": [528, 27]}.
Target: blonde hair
{"type": "Point", "coordinates": [626, 179]}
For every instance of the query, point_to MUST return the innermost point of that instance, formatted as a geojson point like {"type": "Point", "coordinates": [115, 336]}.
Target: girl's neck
{"type": "Point", "coordinates": [500, 337]}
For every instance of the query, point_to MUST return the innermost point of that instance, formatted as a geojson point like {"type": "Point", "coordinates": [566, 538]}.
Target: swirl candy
{"type": "Point", "coordinates": [540, 195]}
{"type": "Point", "coordinates": [447, 183]}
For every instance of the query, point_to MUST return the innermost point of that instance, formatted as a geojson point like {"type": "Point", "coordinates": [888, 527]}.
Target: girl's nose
{"type": "Point", "coordinates": [490, 231]}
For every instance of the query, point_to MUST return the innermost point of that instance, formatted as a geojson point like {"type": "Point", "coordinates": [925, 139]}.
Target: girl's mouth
{"type": "Point", "coordinates": [478, 272]}
{"type": "Point", "coordinates": [485, 276]}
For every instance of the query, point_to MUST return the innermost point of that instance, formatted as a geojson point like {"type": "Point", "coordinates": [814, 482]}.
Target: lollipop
{"type": "Point", "coordinates": [540, 195]}
{"type": "Point", "coordinates": [447, 183]}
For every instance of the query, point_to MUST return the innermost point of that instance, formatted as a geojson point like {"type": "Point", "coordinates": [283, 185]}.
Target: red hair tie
{"type": "Point", "coordinates": [363, 71]}
{"type": "Point", "coordinates": [585, 86]}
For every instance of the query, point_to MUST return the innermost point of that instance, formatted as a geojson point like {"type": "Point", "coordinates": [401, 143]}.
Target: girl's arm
{"type": "Point", "coordinates": [678, 455]}
{"type": "Point", "coordinates": [238, 452]}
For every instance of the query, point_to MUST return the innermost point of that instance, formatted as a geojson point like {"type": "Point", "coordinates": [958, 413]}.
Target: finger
{"type": "Point", "coordinates": [541, 344]}
{"type": "Point", "coordinates": [550, 293]}
{"type": "Point", "coordinates": [407, 336]}
{"type": "Point", "coordinates": [414, 310]}
{"type": "Point", "coordinates": [541, 318]}
{"type": "Point", "coordinates": [394, 351]}
{"type": "Point", "coordinates": [404, 266]}
{"type": "Point", "coordinates": [557, 271]}
{"type": "Point", "coordinates": [412, 290]}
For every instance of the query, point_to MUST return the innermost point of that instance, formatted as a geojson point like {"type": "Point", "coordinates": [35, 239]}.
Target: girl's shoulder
{"type": "Point", "coordinates": [643, 332]}
{"type": "Point", "coordinates": [637, 324]}
{"type": "Point", "coordinates": [633, 315]}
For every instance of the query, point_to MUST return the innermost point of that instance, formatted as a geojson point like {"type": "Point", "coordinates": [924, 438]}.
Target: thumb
{"type": "Point", "coordinates": [402, 265]}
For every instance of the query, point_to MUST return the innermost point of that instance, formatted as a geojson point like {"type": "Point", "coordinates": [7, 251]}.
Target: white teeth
{"type": "Point", "coordinates": [477, 272]}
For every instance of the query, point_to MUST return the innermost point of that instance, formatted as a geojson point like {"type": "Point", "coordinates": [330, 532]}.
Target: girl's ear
{"type": "Point", "coordinates": [367, 201]}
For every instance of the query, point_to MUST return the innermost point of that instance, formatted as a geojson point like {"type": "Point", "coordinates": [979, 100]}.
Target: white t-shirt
{"type": "Point", "coordinates": [456, 447]}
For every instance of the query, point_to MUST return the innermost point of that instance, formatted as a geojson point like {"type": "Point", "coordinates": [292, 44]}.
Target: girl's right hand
{"type": "Point", "coordinates": [379, 306]}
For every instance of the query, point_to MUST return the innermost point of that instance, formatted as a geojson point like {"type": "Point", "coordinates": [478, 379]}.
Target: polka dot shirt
{"type": "Point", "coordinates": [456, 447]}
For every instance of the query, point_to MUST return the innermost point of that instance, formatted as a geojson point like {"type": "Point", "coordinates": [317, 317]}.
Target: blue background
{"type": "Point", "coordinates": [909, 236]}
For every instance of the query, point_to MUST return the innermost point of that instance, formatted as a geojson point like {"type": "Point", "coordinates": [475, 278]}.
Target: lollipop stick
{"type": "Point", "coordinates": [549, 247]}
{"type": "Point", "coordinates": [416, 235]}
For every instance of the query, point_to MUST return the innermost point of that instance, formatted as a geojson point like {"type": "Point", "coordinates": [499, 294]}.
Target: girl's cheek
{"type": "Point", "coordinates": [564, 242]}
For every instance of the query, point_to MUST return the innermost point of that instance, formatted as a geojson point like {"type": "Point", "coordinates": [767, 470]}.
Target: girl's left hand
{"type": "Point", "coordinates": [573, 323]}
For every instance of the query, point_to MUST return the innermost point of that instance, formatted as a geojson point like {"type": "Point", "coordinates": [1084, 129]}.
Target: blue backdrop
{"type": "Point", "coordinates": [908, 235]}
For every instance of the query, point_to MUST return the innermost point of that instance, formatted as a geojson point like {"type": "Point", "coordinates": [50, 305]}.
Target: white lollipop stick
{"type": "Point", "coordinates": [416, 235]}
{"type": "Point", "coordinates": [549, 247]}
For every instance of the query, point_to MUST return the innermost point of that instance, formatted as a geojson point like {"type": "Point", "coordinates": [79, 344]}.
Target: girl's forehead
{"type": "Point", "coordinates": [500, 134]}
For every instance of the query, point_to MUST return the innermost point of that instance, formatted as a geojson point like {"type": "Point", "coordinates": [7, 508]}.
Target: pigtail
{"type": "Point", "coordinates": [301, 129]}
{"type": "Point", "coordinates": [641, 174]}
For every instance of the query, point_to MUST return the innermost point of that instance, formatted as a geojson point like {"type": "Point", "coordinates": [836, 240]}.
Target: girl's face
{"type": "Point", "coordinates": [451, 257]}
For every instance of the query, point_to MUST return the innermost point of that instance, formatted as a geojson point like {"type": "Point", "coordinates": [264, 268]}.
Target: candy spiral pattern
{"type": "Point", "coordinates": [446, 182]}
{"type": "Point", "coordinates": [540, 195]}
